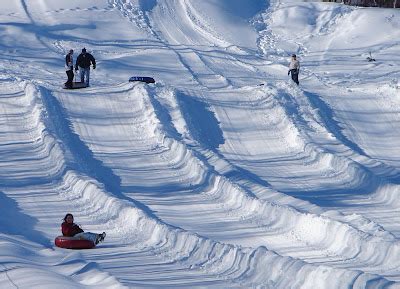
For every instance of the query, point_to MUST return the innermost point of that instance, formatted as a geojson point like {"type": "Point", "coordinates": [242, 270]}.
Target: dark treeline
{"type": "Point", "coordinates": [370, 3]}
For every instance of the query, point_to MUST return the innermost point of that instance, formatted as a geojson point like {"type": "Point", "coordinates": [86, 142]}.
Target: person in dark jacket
{"type": "Point", "coordinates": [70, 229]}
{"type": "Point", "coordinates": [69, 68]}
{"type": "Point", "coordinates": [84, 61]}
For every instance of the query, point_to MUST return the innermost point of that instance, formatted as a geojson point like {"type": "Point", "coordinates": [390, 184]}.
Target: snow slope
{"type": "Point", "coordinates": [206, 179]}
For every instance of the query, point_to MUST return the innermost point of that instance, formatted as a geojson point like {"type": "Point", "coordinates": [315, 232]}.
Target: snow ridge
{"type": "Point", "coordinates": [223, 174]}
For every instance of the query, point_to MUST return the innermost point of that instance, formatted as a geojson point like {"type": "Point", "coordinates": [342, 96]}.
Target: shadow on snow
{"type": "Point", "coordinates": [14, 222]}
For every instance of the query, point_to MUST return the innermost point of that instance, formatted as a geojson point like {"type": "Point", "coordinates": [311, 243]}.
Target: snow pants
{"type": "Point", "coordinates": [70, 75]}
{"type": "Point", "coordinates": [87, 236]}
{"type": "Point", "coordinates": [295, 75]}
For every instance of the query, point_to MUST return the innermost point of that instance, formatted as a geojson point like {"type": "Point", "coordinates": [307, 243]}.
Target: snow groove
{"type": "Point", "coordinates": [223, 174]}
{"type": "Point", "coordinates": [236, 207]}
{"type": "Point", "coordinates": [25, 250]}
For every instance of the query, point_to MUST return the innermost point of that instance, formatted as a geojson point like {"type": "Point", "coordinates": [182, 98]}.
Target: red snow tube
{"type": "Point", "coordinates": [73, 243]}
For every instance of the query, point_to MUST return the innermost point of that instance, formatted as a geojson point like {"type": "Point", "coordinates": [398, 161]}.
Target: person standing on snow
{"type": "Point", "coordinates": [70, 229]}
{"type": "Point", "coordinates": [83, 62]}
{"type": "Point", "coordinates": [69, 68]}
{"type": "Point", "coordinates": [294, 69]}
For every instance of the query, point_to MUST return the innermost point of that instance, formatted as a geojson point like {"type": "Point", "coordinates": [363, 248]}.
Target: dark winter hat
{"type": "Point", "coordinates": [293, 55]}
{"type": "Point", "coordinates": [84, 50]}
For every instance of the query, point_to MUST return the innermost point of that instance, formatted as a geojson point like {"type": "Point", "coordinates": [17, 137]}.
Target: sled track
{"type": "Point", "coordinates": [231, 201]}
{"type": "Point", "coordinates": [63, 156]}
{"type": "Point", "coordinates": [225, 262]}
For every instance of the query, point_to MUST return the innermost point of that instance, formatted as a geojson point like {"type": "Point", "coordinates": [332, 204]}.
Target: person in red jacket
{"type": "Point", "coordinates": [70, 229]}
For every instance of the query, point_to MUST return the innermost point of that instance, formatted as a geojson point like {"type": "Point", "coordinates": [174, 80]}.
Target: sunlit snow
{"type": "Point", "coordinates": [222, 174]}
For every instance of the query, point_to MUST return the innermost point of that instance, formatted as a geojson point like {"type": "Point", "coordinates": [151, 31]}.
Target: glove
{"type": "Point", "coordinates": [288, 72]}
{"type": "Point", "coordinates": [94, 66]}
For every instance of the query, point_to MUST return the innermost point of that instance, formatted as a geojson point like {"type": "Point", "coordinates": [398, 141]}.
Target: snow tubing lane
{"type": "Point", "coordinates": [73, 243]}
{"type": "Point", "coordinates": [142, 79]}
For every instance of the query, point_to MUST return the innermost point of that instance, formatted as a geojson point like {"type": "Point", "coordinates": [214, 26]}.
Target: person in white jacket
{"type": "Point", "coordinates": [294, 69]}
{"type": "Point", "coordinates": [69, 68]}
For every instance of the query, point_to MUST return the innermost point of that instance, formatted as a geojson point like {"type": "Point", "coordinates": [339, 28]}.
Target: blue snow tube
{"type": "Point", "coordinates": [145, 79]}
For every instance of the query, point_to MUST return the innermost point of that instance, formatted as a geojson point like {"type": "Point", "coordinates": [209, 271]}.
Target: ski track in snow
{"type": "Point", "coordinates": [213, 181]}
{"type": "Point", "coordinates": [88, 198]}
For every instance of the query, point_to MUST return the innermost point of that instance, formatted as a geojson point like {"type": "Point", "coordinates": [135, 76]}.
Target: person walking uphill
{"type": "Point", "coordinates": [84, 61]}
{"type": "Point", "coordinates": [69, 68]}
{"type": "Point", "coordinates": [294, 69]}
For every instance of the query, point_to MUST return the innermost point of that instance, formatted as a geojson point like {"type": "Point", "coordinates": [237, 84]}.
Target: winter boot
{"type": "Point", "coordinates": [100, 237]}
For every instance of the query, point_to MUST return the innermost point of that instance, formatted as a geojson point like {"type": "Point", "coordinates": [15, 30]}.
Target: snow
{"type": "Point", "coordinates": [206, 179]}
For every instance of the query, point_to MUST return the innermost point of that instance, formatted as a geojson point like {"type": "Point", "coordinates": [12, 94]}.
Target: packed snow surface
{"type": "Point", "coordinates": [223, 174]}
